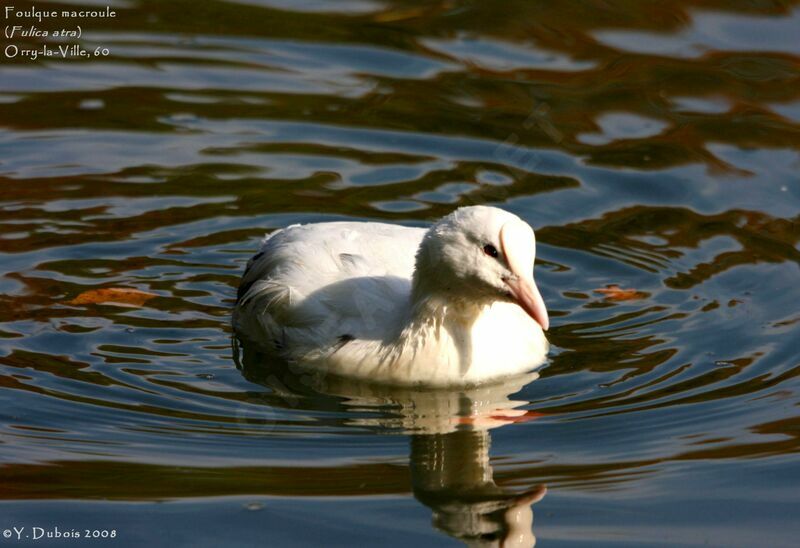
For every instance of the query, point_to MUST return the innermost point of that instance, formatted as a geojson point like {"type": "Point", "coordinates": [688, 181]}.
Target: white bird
{"type": "Point", "coordinates": [453, 305]}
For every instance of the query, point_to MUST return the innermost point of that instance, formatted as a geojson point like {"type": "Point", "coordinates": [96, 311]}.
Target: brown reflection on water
{"type": "Point", "coordinates": [551, 106]}
{"type": "Point", "coordinates": [619, 234]}
{"type": "Point", "coordinates": [86, 480]}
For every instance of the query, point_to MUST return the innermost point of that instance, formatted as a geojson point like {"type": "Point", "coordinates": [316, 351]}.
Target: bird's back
{"type": "Point", "coordinates": [313, 286]}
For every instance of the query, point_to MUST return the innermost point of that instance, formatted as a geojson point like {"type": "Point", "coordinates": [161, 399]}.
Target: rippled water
{"type": "Point", "coordinates": [651, 145]}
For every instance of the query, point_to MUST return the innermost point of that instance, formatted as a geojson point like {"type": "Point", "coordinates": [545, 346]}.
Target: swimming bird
{"type": "Point", "coordinates": [453, 305]}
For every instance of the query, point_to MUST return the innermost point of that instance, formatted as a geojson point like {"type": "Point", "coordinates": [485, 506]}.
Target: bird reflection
{"type": "Point", "coordinates": [451, 474]}
{"type": "Point", "coordinates": [450, 438]}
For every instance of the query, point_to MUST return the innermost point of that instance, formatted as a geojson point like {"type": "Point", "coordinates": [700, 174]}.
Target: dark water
{"type": "Point", "coordinates": [652, 145]}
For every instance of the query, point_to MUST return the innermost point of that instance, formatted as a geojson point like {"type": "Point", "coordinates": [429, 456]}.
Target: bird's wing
{"type": "Point", "coordinates": [331, 280]}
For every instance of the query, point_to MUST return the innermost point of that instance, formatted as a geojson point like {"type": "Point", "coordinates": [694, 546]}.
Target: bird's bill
{"type": "Point", "coordinates": [527, 295]}
{"type": "Point", "coordinates": [519, 248]}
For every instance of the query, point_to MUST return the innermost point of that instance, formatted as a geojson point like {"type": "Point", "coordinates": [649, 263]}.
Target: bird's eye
{"type": "Point", "coordinates": [490, 250]}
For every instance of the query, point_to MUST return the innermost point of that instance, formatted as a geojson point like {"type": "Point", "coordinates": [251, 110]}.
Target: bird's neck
{"type": "Point", "coordinates": [433, 300]}
{"type": "Point", "coordinates": [439, 325]}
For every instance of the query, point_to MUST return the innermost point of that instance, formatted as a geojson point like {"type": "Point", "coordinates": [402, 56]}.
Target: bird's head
{"type": "Point", "coordinates": [481, 254]}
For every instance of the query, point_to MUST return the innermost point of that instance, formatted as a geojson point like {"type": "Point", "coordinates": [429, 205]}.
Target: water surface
{"type": "Point", "coordinates": [651, 145]}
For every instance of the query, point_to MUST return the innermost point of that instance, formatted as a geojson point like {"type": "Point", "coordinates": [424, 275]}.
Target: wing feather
{"type": "Point", "coordinates": [319, 284]}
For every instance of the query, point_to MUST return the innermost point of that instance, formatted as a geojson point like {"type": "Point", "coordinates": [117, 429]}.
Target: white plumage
{"type": "Point", "coordinates": [452, 305]}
